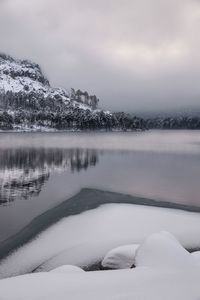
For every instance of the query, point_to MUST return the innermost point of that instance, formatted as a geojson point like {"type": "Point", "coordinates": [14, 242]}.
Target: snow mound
{"type": "Point", "coordinates": [67, 269]}
{"type": "Point", "coordinates": [121, 257]}
{"type": "Point", "coordinates": [162, 250]}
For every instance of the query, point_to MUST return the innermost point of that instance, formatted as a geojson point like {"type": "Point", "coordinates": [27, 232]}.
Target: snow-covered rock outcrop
{"type": "Point", "coordinates": [159, 250]}
{"type": "Point", "coordinates": [122, 257]}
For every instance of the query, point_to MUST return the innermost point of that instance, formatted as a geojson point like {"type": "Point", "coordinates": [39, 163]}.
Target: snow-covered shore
{"type": "Point", "coordinates": [164, 270]}
{"type": "Point", "coordinates": [85, 238]}
{"type": "Point", "coordinates": [51, 265]}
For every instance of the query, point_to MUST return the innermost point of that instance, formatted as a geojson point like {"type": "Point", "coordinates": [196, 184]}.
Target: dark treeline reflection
{"type": "Point", "coordinates": [23, 172]}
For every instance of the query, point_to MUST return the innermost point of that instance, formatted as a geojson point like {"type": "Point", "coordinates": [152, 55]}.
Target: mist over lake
{"type": "Point", "coordinates": [40, 170]}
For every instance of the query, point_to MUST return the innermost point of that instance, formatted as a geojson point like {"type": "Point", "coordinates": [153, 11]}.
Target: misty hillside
{"type": "Point", "coordinates": [27, 101]}
{"type": "Point", "coordinates": [173, 122]}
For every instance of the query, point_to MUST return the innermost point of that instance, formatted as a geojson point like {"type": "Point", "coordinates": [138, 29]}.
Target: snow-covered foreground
{"type": "Point", "coordinates": [86, 238]}
{"type": "Point", "coordinates": [157, 276]}
{"type": "Point", "coordinates": [139, 284]}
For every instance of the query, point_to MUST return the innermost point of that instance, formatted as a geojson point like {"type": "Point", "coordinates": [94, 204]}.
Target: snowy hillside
{"type": "Point", "coordinates": [27, 101]}
{"type": "Point", "coordinates": [24, 80]}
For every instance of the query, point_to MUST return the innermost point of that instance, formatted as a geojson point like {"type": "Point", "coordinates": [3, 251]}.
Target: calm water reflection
{"type": "Point", "coordinates": [39, 171]}
{"type": "Point", "coordinates": [23, 172]}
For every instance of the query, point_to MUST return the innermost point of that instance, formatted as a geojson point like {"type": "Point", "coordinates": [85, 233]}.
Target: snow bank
{"type": "Point", "coordinates": [131, 284]}
{"type": "Point", "coordinates": [67, 269]}
{"type": "Point", "coordinates": [145, 282]}
{"type": "Point", "coordinates": [121, 257]}
{"type": "Point", "coordinates": [162, 250]}
{"type": "Point", "coordinates": [86, 238]}
{"type": "Point", "coordinates": [159, 275]}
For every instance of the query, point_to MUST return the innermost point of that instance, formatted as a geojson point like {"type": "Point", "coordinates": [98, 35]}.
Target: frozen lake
{"type": "Point", "coordinates": [40, 170]}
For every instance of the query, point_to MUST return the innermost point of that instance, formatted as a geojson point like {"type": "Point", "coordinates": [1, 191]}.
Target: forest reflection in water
{"type": "Point", "coordinates": [23, 172]}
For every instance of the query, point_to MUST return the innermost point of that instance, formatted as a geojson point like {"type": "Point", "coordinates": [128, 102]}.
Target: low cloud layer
{"type": "Point", "coordinates": [135, 55]}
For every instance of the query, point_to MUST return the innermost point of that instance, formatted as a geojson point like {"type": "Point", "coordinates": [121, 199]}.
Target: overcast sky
{"type": "Point", "coordinates": [134, 55]}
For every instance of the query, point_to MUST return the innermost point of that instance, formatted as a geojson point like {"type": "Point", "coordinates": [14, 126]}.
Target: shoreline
{"type": "Point", "coordinates": [86, 199]}
{"type": "Point", "coordinates": [52, 130]}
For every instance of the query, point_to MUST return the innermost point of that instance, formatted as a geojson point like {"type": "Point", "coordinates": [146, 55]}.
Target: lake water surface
{"type": "Point", "coordinates": [40, 170]}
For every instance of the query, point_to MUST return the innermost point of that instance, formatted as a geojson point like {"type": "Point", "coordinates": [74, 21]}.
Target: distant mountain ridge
{"type": "Point", "coordinates": [27, 101]}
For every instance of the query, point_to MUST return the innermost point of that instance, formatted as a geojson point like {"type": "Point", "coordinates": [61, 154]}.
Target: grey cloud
{"type": "Point", "coordinates": [134, 54]}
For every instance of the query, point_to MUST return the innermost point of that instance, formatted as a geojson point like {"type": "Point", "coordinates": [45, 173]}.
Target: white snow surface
{"type": "Point", "coordinates": [142, 283]}
{"type": "Point", "coordinates": [122, 257]}
{"type": "Point", "coordinates": [86, 238]}
{"type": "Point", "coordinates": [67, 269]}
{"type": "Point", "coordinates": [196, 256]}
{"type": "Point", "coordinates": [132, 284]}
{"type": "Point", "coordinates": [162, 250]}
